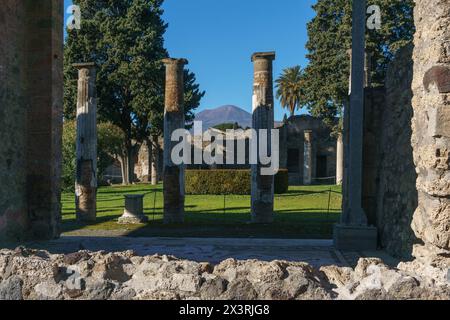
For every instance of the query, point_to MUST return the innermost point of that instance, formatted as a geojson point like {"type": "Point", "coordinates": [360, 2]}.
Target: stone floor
{"type": "Point", "coordinates": [214, 250]}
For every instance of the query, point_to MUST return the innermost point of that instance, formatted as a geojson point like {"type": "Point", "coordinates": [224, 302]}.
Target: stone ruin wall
{"type": "Point", "coordinates": [431, 124]}
{"type": "Point", "coordinates": [292, 137]}
{"type": "Point", "coordinates": [31, 274]}
{"type": "Point", "coordinates": [407, 142]}
{"type": "Point", "coordinates": [395, 197]}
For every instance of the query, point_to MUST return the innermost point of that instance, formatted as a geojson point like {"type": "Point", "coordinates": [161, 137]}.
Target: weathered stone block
{"type": "Point", "coordinates": [439, 124]}
{"type": "Point", "coordinates": [440, 77]}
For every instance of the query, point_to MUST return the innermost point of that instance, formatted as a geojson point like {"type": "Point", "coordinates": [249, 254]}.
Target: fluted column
{"type": "Point", "coordinates": [86, 145]}
{"type": "Point", "coordinates": [307, 157]}
{"type": "Point", "coordinates": [340, 160]}
{"type": "Point", "coordinates": [263, 118]}
{"type": "Point", "coordinates": [173, 120]}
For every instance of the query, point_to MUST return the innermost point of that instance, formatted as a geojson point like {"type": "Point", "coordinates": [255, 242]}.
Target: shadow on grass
{"type": "Point", "coordinates": [226, 225]}
{"type": "Point", "coordinates": [208, 218]}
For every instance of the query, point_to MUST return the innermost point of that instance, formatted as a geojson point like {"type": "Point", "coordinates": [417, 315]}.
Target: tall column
{"type": "Point", "coordinates": [307, 158]}
{"type": "Point", "coordinates": [367, 69]}
{"type": "Point", "coordinates": [86, 175]}
{"type": "Point", "coordinates": [263, 118]}
{"type": "Point", "coordinates": [353, 232]}
{"type": "Point", "coordinates": [31, 50]}
{"type": "Point", "coordinates": [154, 160]}
{"type": "Point", "coordinates": [346, 129]}
{"type": "Point", "coordinates": [173, 120]}
{"type": "Point", "coordinates": [340, 160]}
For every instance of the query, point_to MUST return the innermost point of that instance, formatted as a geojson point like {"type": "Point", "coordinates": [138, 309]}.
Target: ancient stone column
{"type": "Point", "coordinates": [346, 130]}
{"type": "Point", "coordinates": [431, 129]}
{"type": "Point", "coordinates": [263, 118]}
{"type": "Point", "coordinates": [86, 175]}
{"type": "Point", "coordinates": [173, 119]}
{"type": "Point", "coordinates": [353, 232]}
{"type": "Point", "coordinates": [154, 160]}
{"type": "Point", "coordinates": [31, 95]}
{"type": "Point", "coordinates": [307, 157]}
{"type": "Point", "coordinates": [339, 160]}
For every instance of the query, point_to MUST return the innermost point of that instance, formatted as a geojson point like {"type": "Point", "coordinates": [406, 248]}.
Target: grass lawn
{"type": "Point", "coordinates": [300, 213]}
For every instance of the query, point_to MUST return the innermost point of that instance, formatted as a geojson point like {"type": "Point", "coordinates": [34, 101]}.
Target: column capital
{"type": "Point", "coordinates": [175, 61]}
{"type": "Point", "coordinates": [264, 55]}
{"type": "Point", "coordinates": [84, 65]}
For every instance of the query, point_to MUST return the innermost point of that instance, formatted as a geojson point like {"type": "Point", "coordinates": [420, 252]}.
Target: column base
{"type": "Point", "coordinates": [173, 219]}
{"type": "Point", "coordinates": [131, 219]}
{"type": "Point", "coordinates": [262, 212]}
{"type": "Point", "coordinates": [262, 219]}
{"type": "Point", "coordinates": [86, 218]}
{"type": "Point", "coordinates": [351, 238]}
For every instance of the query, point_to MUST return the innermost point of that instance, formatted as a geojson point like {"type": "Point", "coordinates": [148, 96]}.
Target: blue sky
{"type": "Point", "coordinates": [218, 38]}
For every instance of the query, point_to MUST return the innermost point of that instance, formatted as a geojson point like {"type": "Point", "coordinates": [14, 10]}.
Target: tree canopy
{"type": "Point", "coordinates": [290, 89]}
{"type": "Point", "coordinates": [329, 33]}
{"type": "Point", "coordinates": [125, 38]}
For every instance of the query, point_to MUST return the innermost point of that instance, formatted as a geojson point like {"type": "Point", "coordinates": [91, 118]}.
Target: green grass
{"type": "Point", "coordinates": [300, 213]}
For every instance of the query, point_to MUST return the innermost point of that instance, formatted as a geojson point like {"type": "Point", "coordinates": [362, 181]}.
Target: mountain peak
{"type": "Point", "coordinates": [224, 114]}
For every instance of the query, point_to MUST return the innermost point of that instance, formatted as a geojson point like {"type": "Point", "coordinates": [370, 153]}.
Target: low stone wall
{"type": "Point", "coordinates": [31, 274]}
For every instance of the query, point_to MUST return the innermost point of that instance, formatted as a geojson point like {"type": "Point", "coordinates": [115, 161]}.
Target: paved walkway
{"type": "Point", "coordinates": [214, 250]}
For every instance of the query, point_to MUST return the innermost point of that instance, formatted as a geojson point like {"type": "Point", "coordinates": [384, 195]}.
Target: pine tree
{"type": "Point", "coordinates": [329, 32]}
{"type": "Point", "coordinates": [125, 39]}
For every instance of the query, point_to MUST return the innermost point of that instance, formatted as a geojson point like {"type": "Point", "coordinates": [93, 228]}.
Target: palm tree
{"type": "Point", "coordinates": [290, 89]}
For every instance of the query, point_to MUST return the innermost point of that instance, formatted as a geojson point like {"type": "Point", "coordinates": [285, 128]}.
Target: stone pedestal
{"type": "Point", "coordinates": [307, 158]}
{"type": "Point", "coordinates": [263, 118]}
{"type": "Point", "coordinates": [173, 120]}
{"type": "Point", "coordinates": [86, 145]}
{"type": "Point", "coordinates": [134, 210]}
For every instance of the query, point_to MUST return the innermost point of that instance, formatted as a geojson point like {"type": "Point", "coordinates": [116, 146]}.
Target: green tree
{"type": "Point", "coordinates": [327, 75]}
{"type": "Point", "coordinates": [110, 141]}
{"type": "Point", "coordinates": [69, 158]}
{"type": "Point", "coordinates": [110, 145]}
{"type": "Point", "coordinates": [290, 89]}
{"type": "Point", "coordinates": [125, 40]}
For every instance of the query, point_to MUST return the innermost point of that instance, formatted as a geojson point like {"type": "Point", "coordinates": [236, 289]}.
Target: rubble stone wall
{"type": "Point", "coordinates": [431, 122]}
{"type": "Point", "coordinates": [396, 195]}
{"type": "Point", "coordinates": [28, 274]}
